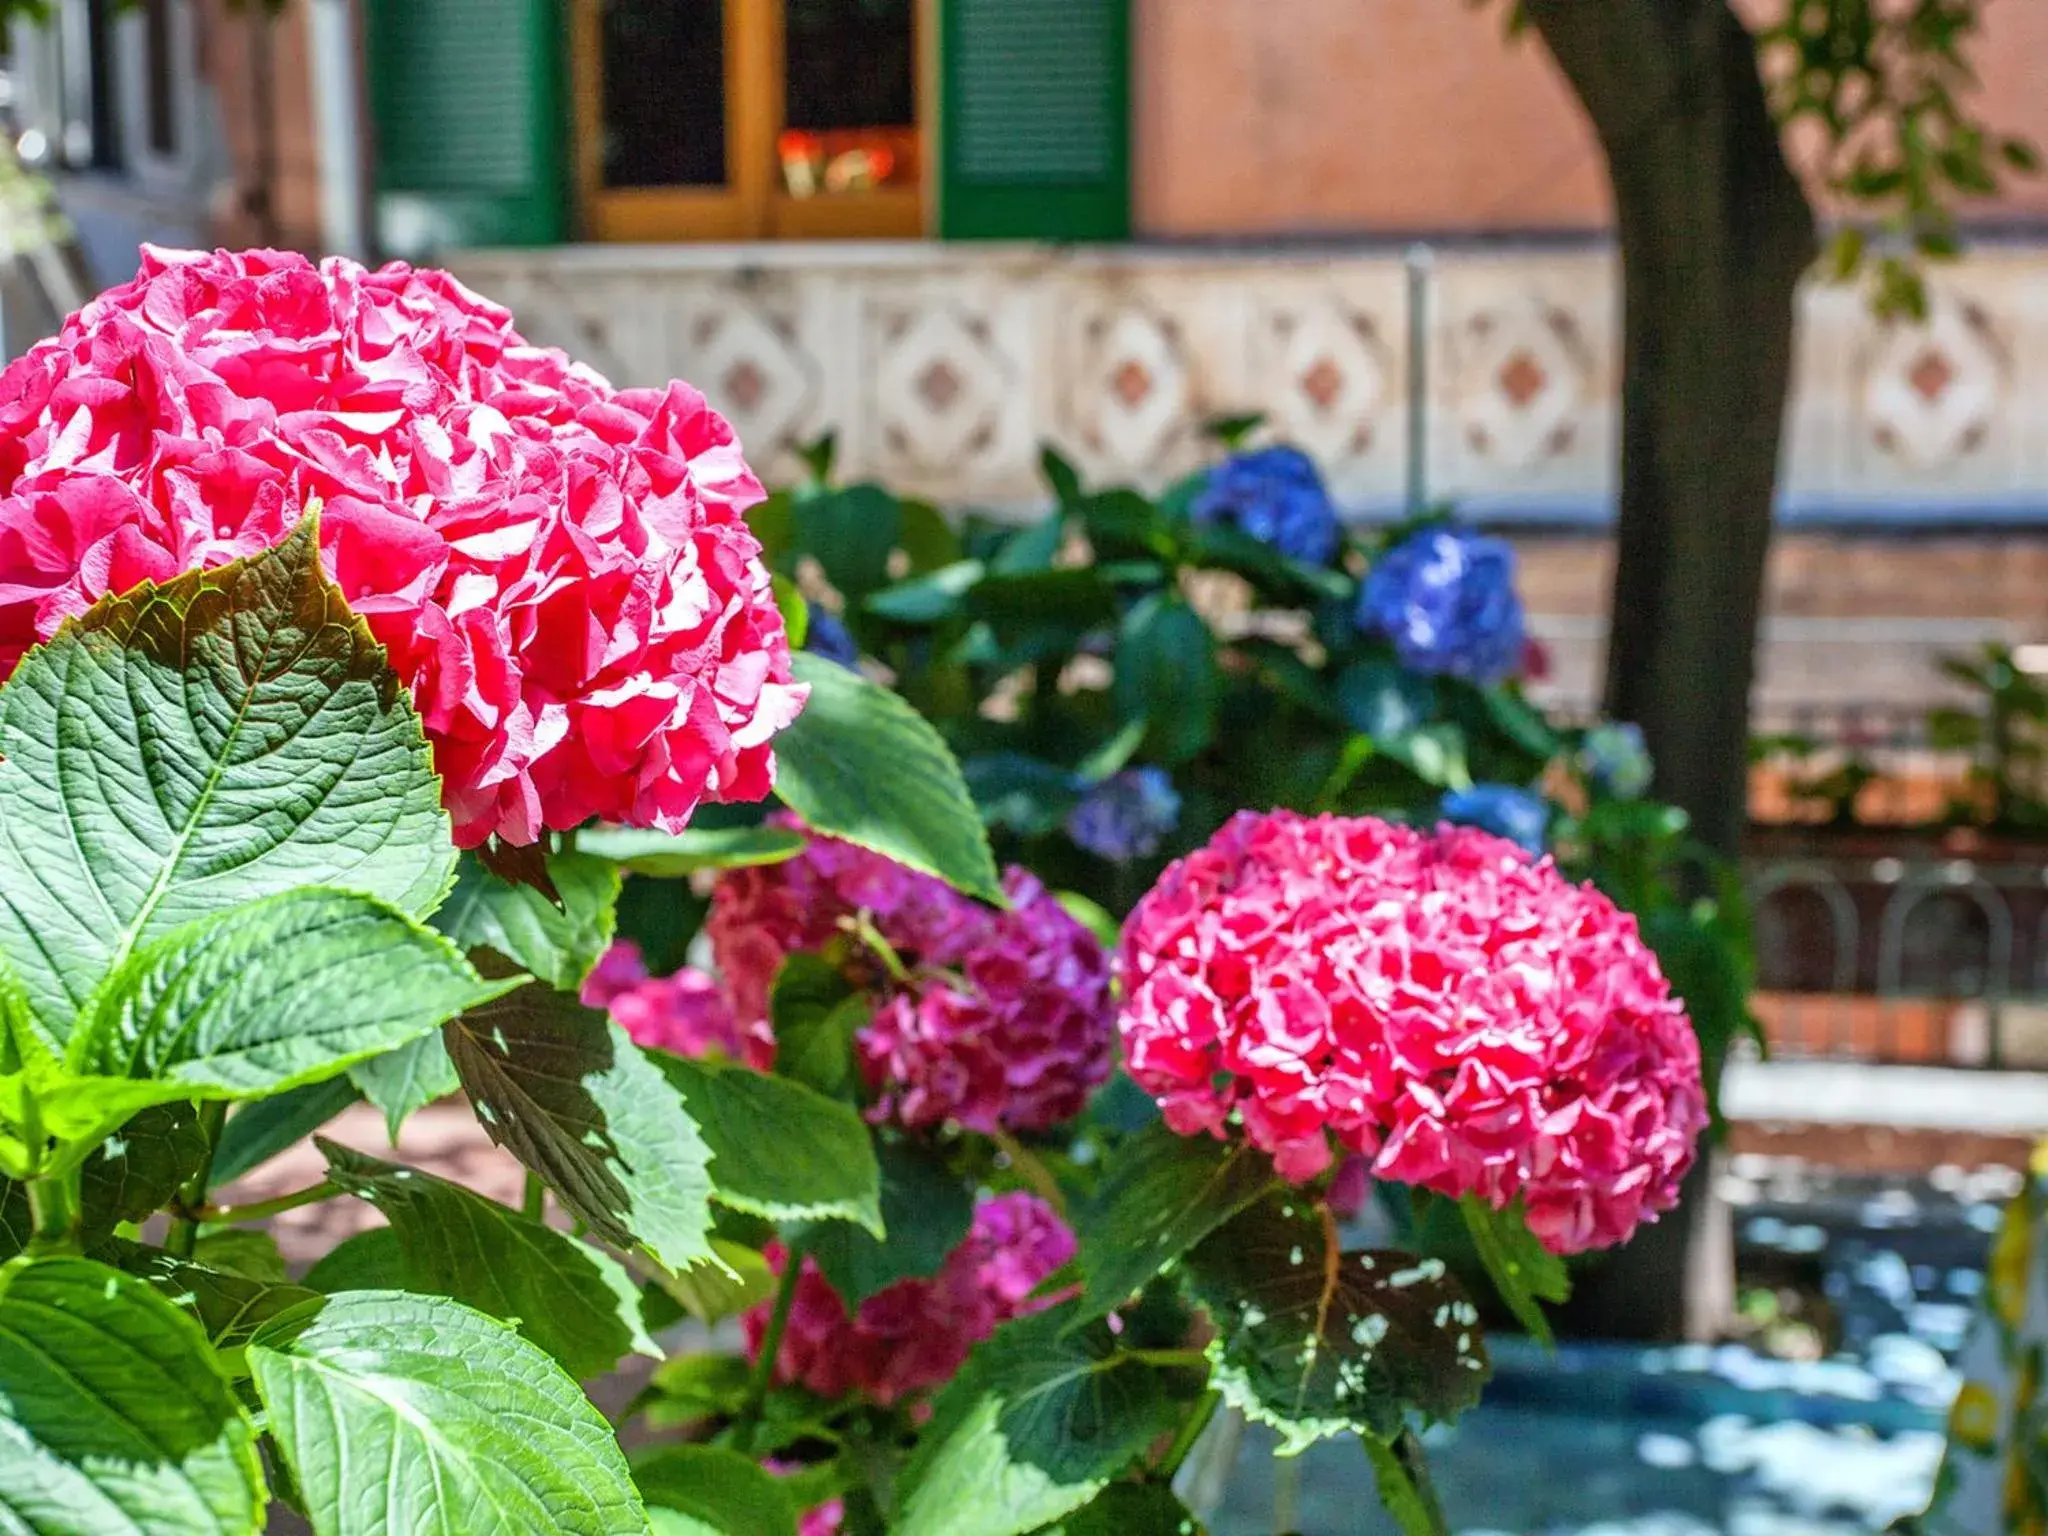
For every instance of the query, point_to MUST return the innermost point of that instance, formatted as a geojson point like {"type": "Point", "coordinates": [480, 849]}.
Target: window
{"type": "Point", "coordinates": [160, 76]}
{"type": "Point", "coordinates": [750, 119]}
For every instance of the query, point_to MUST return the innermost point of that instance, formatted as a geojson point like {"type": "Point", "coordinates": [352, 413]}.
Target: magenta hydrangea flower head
{"type": "Point", "coordinates": [1439, 1002]}
{"type": "Point", "coordinates": [558, 569]}
{"type": "Point", "coordinates": [685, 1014]}
{"type": "Point", "coordinates": [915, 1335]}
{"type": "Point", "coordinates": [999, 1020]}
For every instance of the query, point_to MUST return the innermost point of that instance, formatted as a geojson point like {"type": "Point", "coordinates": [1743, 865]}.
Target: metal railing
{"type": "Point", "coordinates": [1895, 948]}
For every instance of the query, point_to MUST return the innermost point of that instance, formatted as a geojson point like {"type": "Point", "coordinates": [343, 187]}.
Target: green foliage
{"type": "Point", "coordinates": [563, 1089]}
{"type": "Point", "coordinates": [1318, 1342]}
{"type": "Point", "coordinates": [568, 1298]}
{"type": "Point", "coordinates": [407, 1079]}
{"type": "Point", "coordinates": [1130, 1509]}
{"type": "Point", "coordinates": [779, 1150]}
{"type": "Point", "coordinates": [1521, 1268]}
{"type": "Point", "coordinates": [493, 1437]}
{"type": "Point", "coordinates": [114, 1413]}
{"type": "Point", "coordinates": [1163, 1194]}
{"type": "Point", "coordinates": [229, 1307]}
{"type": "Point", "coordinates": [262, 998]}
{"type": "Point", "coordinates": [642, 851]}
{"type": "Point", "coordinates": [861, 764]}
{"type": "Point", "coordinates": [1036, 1425]}
{"type": "Point", "coordinates": [706, 1490]}
{"type": "Point", "coordinates": [556, 940]}
{"type": "Point", "coordinates": [1888, 89]}
{"type": "Point", "coordinates": [926, 1212]}
{"type": "Point", "coordinates": [815, 1012]}
{"type": "Point", "coordinates": [1403, 1484]}
{"type": "Point", "coordinates": [187, 749]}
{"type": "Point", "coordinates": [1167, 677]}
{"type": "Point", "coordinates": [258, 1131]}
{"type": "Point", "coordinates": [263, 938]}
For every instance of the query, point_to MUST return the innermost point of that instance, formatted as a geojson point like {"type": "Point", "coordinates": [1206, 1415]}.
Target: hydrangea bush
{"type": "Point", "coordinates": [369, 670]}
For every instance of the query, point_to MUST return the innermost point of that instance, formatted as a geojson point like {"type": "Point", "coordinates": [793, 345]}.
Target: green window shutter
{"type": "Point", "coordinates": [1035, 119]}
{"type": "Point", "coordinates": [471, 127]}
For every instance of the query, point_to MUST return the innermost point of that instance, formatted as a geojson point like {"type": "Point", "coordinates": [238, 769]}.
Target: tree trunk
{"type": "Point", "coordinates": [1715, 233]}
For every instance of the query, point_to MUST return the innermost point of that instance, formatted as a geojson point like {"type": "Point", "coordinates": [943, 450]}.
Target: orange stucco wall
{"type": "Point", "coordinates": [1282, 117]}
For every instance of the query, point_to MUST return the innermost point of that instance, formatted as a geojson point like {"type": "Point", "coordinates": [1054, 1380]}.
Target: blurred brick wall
{"type": "Point", "coordinates": [1386, 117]}
{"type": "Point", "coordinates": [1851, 619]}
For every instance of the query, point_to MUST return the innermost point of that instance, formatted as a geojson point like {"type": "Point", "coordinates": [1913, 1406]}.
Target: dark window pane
{"type": "Point", "coordinates": [664, 93]}
{"type": "Point", "coordinates": [851, 64]}
{"type": "Point", "coordinates": [159, 75]}
{"type": "Point", "coordinates": [850, 98]}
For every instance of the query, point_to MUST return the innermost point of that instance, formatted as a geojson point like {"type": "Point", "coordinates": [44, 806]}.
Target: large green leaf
{"type": "Point", "coordinates": [850, 532]}
{"type": "Point", "coordinates": [256, 1132]}
{"type": "Point", "coordinates": [229, 1307]}
{"type": "Point", "coordinates": [1523, 1271]}
{"type": "Point", "coordinates": [1035, 1426]}
{"type": "Point", "coordinates": [402, 1082]}
{"type": "Point", "coordinates": [558, 944]}
{"type": "Point", "coordinates": [271, 996]}
{"type": "Point", "coordinates": [817, 1012]}
{"type": "Point", "coordinates": [713, 1292]}
{"type": "Point", "coordinates": [1131, 1509]}
{"type": "Point", "coordinates": [371, 1260]}
{"type": "Point", "coordinates": [133, 1173]}
{"type": "Point", "coordinates": [779, 1149]}
{"type": "Point", "coordinates": [574, 1302]}
{"type": "Point", "coordinates": [861, 764]}
{"type": "Point", "coordinates": [644, 851]}
{"type": "Point", "coordinates": [113, 1415]}
{"type": "Point", "coordinates": [1402, 1478]}
{"type": "Point", "coordinates": [470, 1430]}
{"type": "Point", "coordinates": [1318, 1342]}
{"type": "Point", "coordinates": [706, 1490]}
{"type": "Point", "coordinates": [1164, 1193]}
{"type": "Point", "coordinates": [926, 1210]}
{"type": "Point", "coordinates": [1166, 675]}
{"type": "Point", "coordinates": [930, 598]}
{"type": "Point", "coordinates": [188, 748]}
{"type": "Point", "coordinates": [565, 1091]}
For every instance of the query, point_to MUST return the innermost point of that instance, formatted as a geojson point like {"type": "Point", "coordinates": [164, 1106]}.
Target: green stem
{"type": "Point", "coordinates": [1286, 1494]}
{"type": "Point", "coordinates": [1190, 1359]}
{"type": "Point", "coordinates": [771, 1346]}
{"type": "Point", "coordinates": [53, 1213]}
{"type": "Point", "coordinates": [1402, 1474]}
{"type": "Point", "coordinates": [1190, 1432]}
{"type": "Point", "coordinates": [184, 1234]}
{"type": "Point", "coordinates": [536, 1203]}
{"type": "Point", "coordinates": [1409, 1453]}
{"type": "Point", "coordinates": [263, 1210]}
{"type": "Point", "coordinates": [1031, 1170]}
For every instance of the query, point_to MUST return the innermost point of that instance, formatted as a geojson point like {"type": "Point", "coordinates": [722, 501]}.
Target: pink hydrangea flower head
{"type": "Point", "coordinates": [620, 969]}
{"type": "Point", "coordinates": [558, 569]}
{"type": "Point", "coordinates": [914, 1335]}
{"type": "Point", "coordinates": [1006, 1020]}
{"type": "Point", "coordinates": [684, 1014]}
{"type": "Point", "coordinates": [1439, 1002]}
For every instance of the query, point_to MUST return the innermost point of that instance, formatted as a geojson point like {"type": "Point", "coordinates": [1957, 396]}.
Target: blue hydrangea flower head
{"type": "Point", "coordinates": [1502, 809]}
{"type": "Point", "coordinates": [1127, 815]}
{"type": "Point", "coordinates": [1277, 497]}
{"type": "Point", "coordinates": [829, 638]}
{"type": "Point", "coordinates": [1615, 758]}
{"type": "Point", "coordinates": [1446, 598]}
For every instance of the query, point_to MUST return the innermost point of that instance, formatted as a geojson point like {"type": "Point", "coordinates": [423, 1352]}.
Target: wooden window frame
{"type": "Point", "coordinates": [752, 205]}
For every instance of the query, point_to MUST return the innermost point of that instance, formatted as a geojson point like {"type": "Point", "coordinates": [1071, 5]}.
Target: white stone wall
{"type": "Point", "coordinates": [944, 367]}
